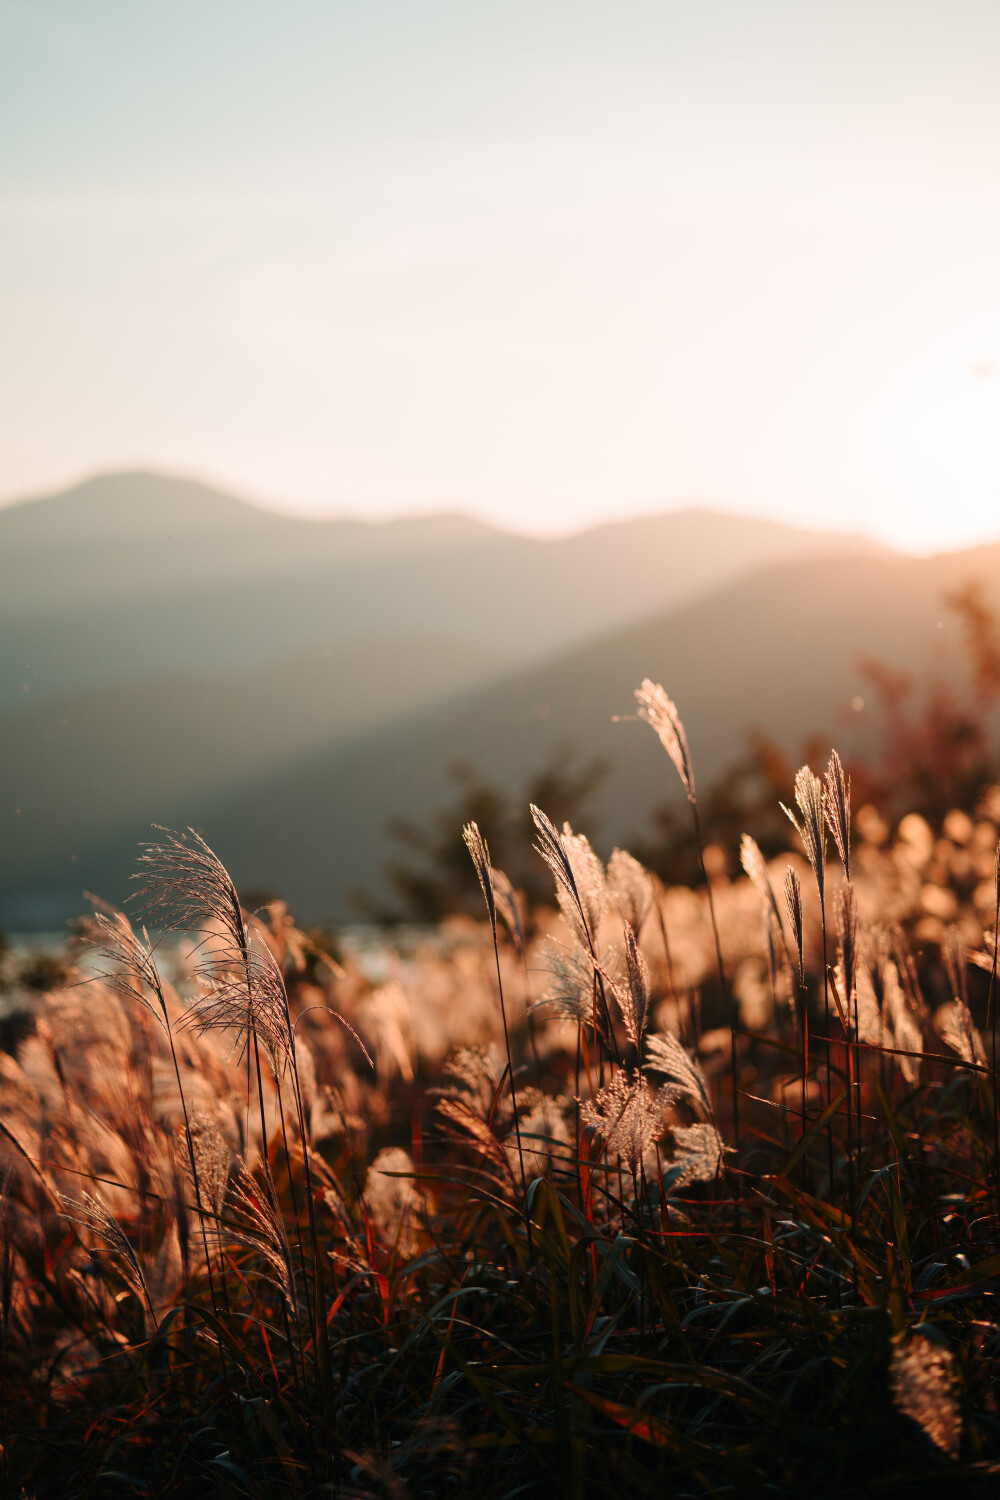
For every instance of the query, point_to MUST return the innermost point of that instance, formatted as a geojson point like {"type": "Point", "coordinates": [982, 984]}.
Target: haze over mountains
{"type": "Point", "coordinates": [132, 576]}
{"type": "Point", "coordinates": [172, 654]}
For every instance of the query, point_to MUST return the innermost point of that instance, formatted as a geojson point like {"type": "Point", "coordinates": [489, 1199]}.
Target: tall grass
{"type": "Point", "coordinates": [519, 1250]}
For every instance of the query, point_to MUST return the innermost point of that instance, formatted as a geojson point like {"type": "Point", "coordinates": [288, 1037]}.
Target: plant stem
{"type": "Point", "coordinates": [722, 975]}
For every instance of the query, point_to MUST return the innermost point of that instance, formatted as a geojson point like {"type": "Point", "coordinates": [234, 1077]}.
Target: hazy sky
{"type": "Point", "coordinates": [545, 261]}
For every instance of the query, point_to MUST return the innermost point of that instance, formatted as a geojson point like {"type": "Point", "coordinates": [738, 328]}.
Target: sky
{"type": "Point", "coordinates": [546, 262]}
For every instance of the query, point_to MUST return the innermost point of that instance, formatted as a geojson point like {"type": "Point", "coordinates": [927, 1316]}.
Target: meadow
{"type": "Point", "coordinates": [656, 1188]}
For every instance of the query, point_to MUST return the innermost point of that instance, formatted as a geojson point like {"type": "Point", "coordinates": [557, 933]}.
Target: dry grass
{"type": "Point", "coordinates": [525, 1249]}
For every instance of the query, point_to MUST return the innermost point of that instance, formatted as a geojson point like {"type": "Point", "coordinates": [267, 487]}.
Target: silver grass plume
{"type": "Point", "coordinates": [906, 965]}
{"type": "Point", "coordinates": [547, 1142]}
{"type": "Point", "coordinates": [475, 1077]}
{"type": "Point", "coordinates": [660, 712]}
{"type": "Point", "coordinates": [508, 904]}
{"type": "Point", "coordinates": [571, 983]}
{"type": "Point", "coordinates": [252, 995]}
{"type": "Point", "coordinates": [263, 1232]}
{"type": "Point", "coordinates": [135, 975]}
{"type": "Point", "coordinates": [906, 1033]}
{"type": "Point", "coordinates": [572, 901]}
{"type": "Point", "coordinates": [94, 1215]}
{"type": "Point", "coordinates": [955, 961]}
{"type": "Point", "coordinates": [755, 868]}
{"type": "Point", "coordinates": [922, 1377]}
{"type": "Point", "coordinates": [959, 1030]}
{"type": "Point", "coordinates": [811, 801]}
{"type": "Point", "coordinates": [481, 858]}
{"type": "Point", "coordinates": [629, 1117]}
{"type": "Point", "coordinates": [632, 997]}
{"type": "Point", "coordinates": [638, 983]}
{"type": "Point", "coordinates": [838, 809]}
{"type": "Point", "coordinates": [183, 882]}
{"type": "Point", "coordinates": [476, 845]}
{"type": "Point", "coordinates": [776, 954]}
{"type": "Point", "coordinates": [847, 928]}
{"type": "Point", "coordinates": [213, 1159]}
{"type": "Point", "coordinates": [793, 902]}
{"type": "Point", "coordinates": [687, 1083]}
{"type": "Point", "coordinates": [700, 1153]}
{"type": "Point", "coordinates": [588, 873]}
{"type": "Point", "coordinates": [629, 888]}
{"type": "Point", "coordinates": [700, 1150]}
{"type": "Point", "coordinates": [392, 1199]}
{"type": "Point", "coordinates": [875, 955]}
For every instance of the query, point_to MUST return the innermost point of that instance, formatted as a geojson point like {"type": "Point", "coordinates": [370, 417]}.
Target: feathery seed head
{"type": "Point", "coordinates": [629, 1117]}
{"type": "Point", "coordinates": [877, 961]}
{"type": "Point", "coordinates": [838, 809]}
{"type": "Point", "coordinates": [632, 998]}
{"type": "Point", "coordinates": [953, 951]}
{"type": "Point", "coordinates": [135, 975]}
{"type": "Point", "coordinates": [94, 1215]}
{"type": "Point", "coordinates": [755, 868]}
{"type": "Point", "coordinates": [509, 907]}
{"type": "Point", "coordinates": [665, 1055]}
{"type": "Point", "coordinates": [660, 712]}
{"type": "Point", "coordinates": [588, 872]}
{"type": "Point", "coordinates": [264, 1231]}
{"type": "Point", "coordinates": [183, 882]}
{"type": "Point", "coordinates": [905, 1032]}
{"type": "Point", "coordinates": [213, 1159]}
{"type": "Point", "coordinates": [629, 888]}
{"type": "Point", "coordinates": [700, 1153]}
{"type": "Point", "coordinates": [476, 845]}
{"type": "Point", "coordinates": [393, 1199]}
{"type": "Point", "coordinates": [571, 983]}
{"type": "Point", "coordinates": [811, 830]}
{"type": "Point", "coordinates": [922, 1377]}
{"type": "Point", "coordinates": [247, 997]}
{"type": "Point", "coordinates": [793, 903]}
{"type": "Point", "coordinates": [847, 927]}
{"type": "Point", "coordinates": [959, 1030]}
{"type": "Point", "coordinates": [566, 856]}
{"type": "Point", "coordinates": [475, 1075]}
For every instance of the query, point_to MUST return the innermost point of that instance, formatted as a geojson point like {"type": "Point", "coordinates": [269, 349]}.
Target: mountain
{"type": "Point", "coordinates": [147, 751]}
{"type": "Point", "coordinates": [132, 577]}
{"type": "Point", "coordinates": [164, 644]}
{"type": "Point", "coordinates": [778, 649]}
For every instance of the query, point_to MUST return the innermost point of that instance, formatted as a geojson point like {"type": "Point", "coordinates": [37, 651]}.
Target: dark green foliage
{"type": "Point", "coordinates": [434, 879]}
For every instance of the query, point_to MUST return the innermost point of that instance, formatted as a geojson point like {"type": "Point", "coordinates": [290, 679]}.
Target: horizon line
{"type": "Point", "coordinates": [291, 511]}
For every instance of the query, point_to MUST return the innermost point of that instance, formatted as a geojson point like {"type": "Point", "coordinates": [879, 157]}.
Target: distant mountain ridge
{"type": "Point", "coordinates": [169, 653]}
{"type": "Point", "coordinates": [136, 575]}
{"type": "Point", "coordinates": [778, 649]}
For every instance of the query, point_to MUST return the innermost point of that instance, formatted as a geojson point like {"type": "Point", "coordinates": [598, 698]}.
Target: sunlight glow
{"type": "Point", "coordinates": [374, 269]}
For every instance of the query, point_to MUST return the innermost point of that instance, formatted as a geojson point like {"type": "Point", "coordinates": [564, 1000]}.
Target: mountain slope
{"type": "Point", "coordinates": [130, 577]}
{"type": "Point", "coordinates": [779, 650]}
{"type": "Point", "coordinates": [71, 767]}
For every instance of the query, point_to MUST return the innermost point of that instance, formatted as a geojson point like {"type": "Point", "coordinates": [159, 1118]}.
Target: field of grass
{"type": "Point", "coordinates": [654, 1190]}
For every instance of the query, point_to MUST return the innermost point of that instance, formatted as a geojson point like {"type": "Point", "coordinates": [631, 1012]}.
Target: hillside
{"type": "Point", "coordinates": [132, 577]}
{"type": "Point", "coordinates": [79, 765]}
{"type": "Point", "coordinates": [779, 649]}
